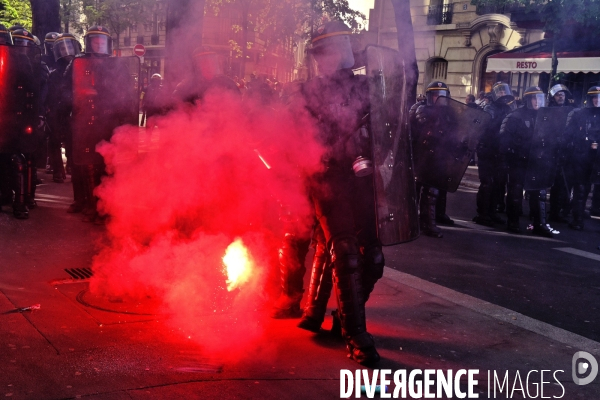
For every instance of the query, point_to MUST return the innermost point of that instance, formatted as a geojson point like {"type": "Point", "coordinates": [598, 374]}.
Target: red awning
{"type": "Point", "coordinates": [510, 61]}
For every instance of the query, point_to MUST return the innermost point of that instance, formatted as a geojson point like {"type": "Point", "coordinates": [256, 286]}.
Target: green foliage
{"type": "Point", "coordinates": [15, 12]}
{"type": "Point", "coordinates": [280, 21]}
{"type": "Point", "coordinates": [556, 14]}
{"type": "Point", "coordinates": [116, 15]}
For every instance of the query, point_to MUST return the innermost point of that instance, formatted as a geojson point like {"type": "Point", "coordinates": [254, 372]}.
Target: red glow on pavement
{"type": "Point", "coordinates": [175, 212]}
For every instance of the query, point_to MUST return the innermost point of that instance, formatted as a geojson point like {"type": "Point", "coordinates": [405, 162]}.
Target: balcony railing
{"type": "Point", "coordinates": [493, 9]}
{"type": "Point", "coordinates": [440, 15]}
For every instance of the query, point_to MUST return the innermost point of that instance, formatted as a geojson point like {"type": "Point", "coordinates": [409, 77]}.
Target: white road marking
{"type": "Point", "coordinates": [586, 254]}
{"type": "Point", "coordinates": [495, 311]}
{"type": "Point", "coordinates": [470, 225]}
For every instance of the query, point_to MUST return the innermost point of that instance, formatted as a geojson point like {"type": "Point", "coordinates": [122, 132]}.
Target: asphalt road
{"type": "Point", "coordinates": [556, 281]}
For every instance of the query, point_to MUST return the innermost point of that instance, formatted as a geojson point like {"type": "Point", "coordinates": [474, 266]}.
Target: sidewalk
{"type": "Point", "coordinates": [79, 346]}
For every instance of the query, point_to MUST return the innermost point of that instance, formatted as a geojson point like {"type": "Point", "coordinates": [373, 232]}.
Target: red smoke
{"type": "Point", "coordinates": [174, 211]}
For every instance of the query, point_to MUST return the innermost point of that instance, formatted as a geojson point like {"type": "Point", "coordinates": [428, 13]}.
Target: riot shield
{"type": "Point", "coordinates": [445, 141]}
{"type": "Point", "coordinates": [543, 157]}
{"type": "Point", "coordinates": [105, 96]}
{"type": "Point", "coordinates": [20, 75]}
{"type": "Point", "coordinates": [397, 217]}
{"type": "Point", "coordinates": [593, 131]}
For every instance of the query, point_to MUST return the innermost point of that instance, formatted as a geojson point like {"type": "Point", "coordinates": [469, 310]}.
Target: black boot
{"type": "Point", "coordinates": [427, 217]}
{"type": "Point", "coordinates": [321, 284]}
{"type": "Point", "coordinates": [537, 205]}
{"type": "Point", "coordinates": [484, 204]}
{"type": "Point", "coordinates": [19, 183]}
{"type": "Point", "coordinates": [440, 209]}
{"type": "Point", "coordinates": [578, 205]}
{"type": "Point", "coordinates": [291, 261]}
{"type": "Point", "coordinates": [31, 185]}
{"type": "Point", "coordinates": [351, 307]}
{"type": "Point", "coordinates": [514, 200]}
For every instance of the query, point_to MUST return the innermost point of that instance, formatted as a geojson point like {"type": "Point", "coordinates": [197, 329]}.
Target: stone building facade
{"type": "Point", "coordinates": [218, 32]}
{"type": "Point", "coordinates": [453, 41]}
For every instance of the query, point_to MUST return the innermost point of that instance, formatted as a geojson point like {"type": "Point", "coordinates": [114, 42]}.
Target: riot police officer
{"type": "Point", "coordinates": [59, 105]}
{"type": "Point", "coordinates": [492, 179]}
{"type": "Point", "coordinates": [153, 101]}
{"type": "Point", "coordinates": [6, 192]}
{"type": "Point", "coordinates": [5, 36]}
{"type": "Point", "coordinates": [108, 98]}
{"type": "Point", "coordinates": [24, 172]}
{"type": "Point", "coordinates": [207, 75]}
{"type": "Point", "coordinates": [339, 100]}
{"type": "Point", "coordinates": [560, 96]}
{"type": "Point", "coordinates": [583, 131]}
{"type": "Point", "coordinates": [432, 201]}
{"type": "Point", "coordinates": [516, 134]}
{"type": "Point", "coordinates": [48, 53]}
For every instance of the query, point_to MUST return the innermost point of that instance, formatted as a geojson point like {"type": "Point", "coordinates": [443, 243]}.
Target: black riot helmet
{"type": "Point", "coordinates": [22, 37]}
{"type": "Point", "coordinates": [97, 41]}
{"type": "Point", "coordinates": [5, 36]}
{"type": "Point", "coordinates": [207, 63]}
{"type": "Point", "coordinates": [49, 43]}
{"type": "Point", "coordinates": [558, 94]}
{"type": "Point", "coordinates": [15, 27]}
{"type": "Point", "coordinates": [331, 48]}
{"type": "Point", "coordinates": [534, 98]}
{"type": "Point", "coordinates": [502, 93]}
{"type": "Point", "coordinates": [434, 90]}
{"type": "Point", "coordinates": [593, 97]}
{"type": "Point", "coordinates": [65, 45]}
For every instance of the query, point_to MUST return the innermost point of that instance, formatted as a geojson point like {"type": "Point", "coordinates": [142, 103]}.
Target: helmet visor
{"type": "Point", "coordinates": [333, 53]}
{"type": "Point", "coordinates": [98, 43]}
{"type": "Point", "coordinates": [536, 101]}
{"type": "Point", "coordinates": [437, 97]}
{"type": "Point", "coordinates": [64, 48]}
{"type": "Point", "coordinates": [502, 93]}
{"type": "Point", "coordinates": [5, 38]}
{"type": "Point", "coordinates": [18, 41]}
{"type": "Point", "coordinates": [594, 100]}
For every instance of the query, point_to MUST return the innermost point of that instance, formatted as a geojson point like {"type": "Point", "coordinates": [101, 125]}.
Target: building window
{"type": "Point", "coordinates": [489, 78]}
{"type": "Point", "coordinates": [140, 39]}
{"type": "Point", "coordinates": [491, 9]}
{"type": "Point", "coordinates": [440, 14]}
{"type": "Point", "coordinates": [437, 70]}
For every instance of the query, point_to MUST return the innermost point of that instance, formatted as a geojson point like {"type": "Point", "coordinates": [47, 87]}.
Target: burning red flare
{"type": "Point", "coordinates": [238, 264]}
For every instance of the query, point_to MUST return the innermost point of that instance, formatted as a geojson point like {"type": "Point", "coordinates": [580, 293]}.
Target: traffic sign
{"type": "Point", "coordinates": [139, 50]}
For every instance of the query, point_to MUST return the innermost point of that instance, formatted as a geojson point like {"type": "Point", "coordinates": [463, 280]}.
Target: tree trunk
{"type": "Point", "coordinates": [45, 16]}
{"type": "Point", "coordinates": [245, 11]}
{"type": "Point", "coordinates": [406, 44]}
{"type": "Point", "coordinates": [183, 35]}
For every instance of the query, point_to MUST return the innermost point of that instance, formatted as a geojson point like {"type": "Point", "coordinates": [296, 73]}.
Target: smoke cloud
{"type": "Point", "coordinates": [173, 213]}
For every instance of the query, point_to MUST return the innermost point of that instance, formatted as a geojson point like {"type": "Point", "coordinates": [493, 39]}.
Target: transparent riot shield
{"type": "Point", "coordinates": [543, 157]}
{"type": "Point", "coordinates": [444, 142]}
{"type": "Point", "coordinates": [397, 217]}
{"type": "Point", "coordinates": [20, 74]}
{"type": "Point", "coordinates": [105, 96]}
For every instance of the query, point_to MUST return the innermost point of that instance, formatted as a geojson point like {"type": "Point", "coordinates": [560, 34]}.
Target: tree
{"type": "Point", "coordinates": [564, 20]}
{"type": "Point", "coordinates": [45, 17]}
{"type": "Point", "coordinates": [281, 21]}
{"type": "Point", "coordinates": [118, 15]}
{"type": "Point", "coordinates": [15, 12]}
{"type": "Point", "coordinates": [557, 15]}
